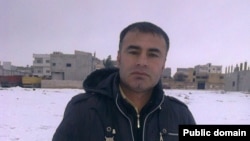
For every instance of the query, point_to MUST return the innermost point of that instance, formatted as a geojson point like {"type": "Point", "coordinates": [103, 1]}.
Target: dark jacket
{"type": "Point", "coordinates": [102, 114]}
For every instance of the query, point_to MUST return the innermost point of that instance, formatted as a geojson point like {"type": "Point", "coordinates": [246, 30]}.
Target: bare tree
{"type": "Point", "coordinates": [108, 62]}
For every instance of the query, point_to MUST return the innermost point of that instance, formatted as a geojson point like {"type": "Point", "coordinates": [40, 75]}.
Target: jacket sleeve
{"type": "Point", "coordinates": [64, 131]}
{"type": "Point", "coordinates": [181, 111]}
{"type": "Point", "coordinates": [190, 118]}
{"type": "Point", "coordinates": [69, 128]}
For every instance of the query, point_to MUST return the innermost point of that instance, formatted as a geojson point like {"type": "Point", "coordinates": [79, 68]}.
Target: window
{"type": "Point", "coordinates": [47, 61]}
{"type": "Point", "coordinates": [53, 64]}
{"type": "Point", "coordinates": [68, 65]}
{"type": "Point", "coordinates": [39, 60]}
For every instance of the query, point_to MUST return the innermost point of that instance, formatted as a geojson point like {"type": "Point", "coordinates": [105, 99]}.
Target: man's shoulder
{"type": "Point", "coordinates": [87, 99]}
{"type": "Point", "coordinates": [179, 110]}
{"type": "Point", "coordinates": [82, 102]}
{"type": "Point", "coordinates": [80, 98]}
{"type": "Point", "coordinates": [175, 101]}
{"type": "Point", "coordinates": [84, 98]}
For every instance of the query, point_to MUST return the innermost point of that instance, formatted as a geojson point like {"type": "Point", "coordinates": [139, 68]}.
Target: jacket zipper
{"type": "Point", "coordinates": [138, 119]}
{"type": "Point", "coordinates": [161, 138]}
{"type": "Point", "coordinates": [130, 123]}
{"type": "Point", "coordinates": [143, 130]}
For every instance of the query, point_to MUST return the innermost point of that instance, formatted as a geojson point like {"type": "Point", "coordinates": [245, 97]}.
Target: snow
{"type": "Point", "coordinates": [34, 114]}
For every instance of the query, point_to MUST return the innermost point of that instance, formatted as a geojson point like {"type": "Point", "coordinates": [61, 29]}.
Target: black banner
{"type": "Point", "coordinates": [219, 132]}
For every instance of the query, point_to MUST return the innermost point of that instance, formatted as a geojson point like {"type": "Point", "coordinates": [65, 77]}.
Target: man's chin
{"type": "Point", "coordinates": [139, 87]}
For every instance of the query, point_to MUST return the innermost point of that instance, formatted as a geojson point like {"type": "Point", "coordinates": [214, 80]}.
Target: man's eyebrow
{"type": "Point", "coordinates": [154, 50]}
{"type": "Point", "coordinates": [133, 47]}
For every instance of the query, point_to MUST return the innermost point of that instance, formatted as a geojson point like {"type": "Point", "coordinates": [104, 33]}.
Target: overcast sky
{"type": "Point", "coordinates": [200, 31]}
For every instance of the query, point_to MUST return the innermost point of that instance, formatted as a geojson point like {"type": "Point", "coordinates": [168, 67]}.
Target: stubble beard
{"type": "Point", "coordinates": [139, 87]}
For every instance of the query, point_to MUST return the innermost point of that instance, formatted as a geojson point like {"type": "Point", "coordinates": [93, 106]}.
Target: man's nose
{"type": "Point", "coordinates": [142, 60]}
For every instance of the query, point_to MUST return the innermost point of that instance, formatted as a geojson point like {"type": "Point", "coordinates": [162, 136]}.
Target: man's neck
{"type": "Point", "coordinates": [137, 99]}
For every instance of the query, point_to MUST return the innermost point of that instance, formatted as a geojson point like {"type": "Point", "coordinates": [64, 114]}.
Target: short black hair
{"type": "Point", "coordinates": [145, 27]}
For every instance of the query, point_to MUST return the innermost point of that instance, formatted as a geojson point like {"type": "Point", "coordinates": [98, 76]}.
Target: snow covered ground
{"type": "Point", "coordinates": [34, 114]}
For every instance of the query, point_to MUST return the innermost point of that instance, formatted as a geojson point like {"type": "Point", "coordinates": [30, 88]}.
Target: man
{"type": "Point", "coordinates": [127, 103]}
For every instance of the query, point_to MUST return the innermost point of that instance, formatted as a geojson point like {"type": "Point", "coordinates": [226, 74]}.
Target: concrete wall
{"type": "Point", "coordinates": [237, 81]}
{"type": "Point", "coordinates": [61, 84]}
{"type": "Point", "coordinates": [72, 66]}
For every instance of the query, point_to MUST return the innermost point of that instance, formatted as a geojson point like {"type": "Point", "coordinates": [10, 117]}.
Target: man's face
{"type": "Point", "coordinates": [141, 60]}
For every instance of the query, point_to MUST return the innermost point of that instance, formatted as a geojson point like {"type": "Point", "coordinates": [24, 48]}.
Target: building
{"type": "Point", "coordinates": [166, 78]}
{"type": "Point", "coordinates": [183, 79]}
{"type": "Point", "coordinates": [187, 74]}
{"type": "Point", "coordinates": [237, 78]}
{"type": "Point", "coordinates": [41, 65]}
{"type": "Point", "coordinates": [25, 71]}
{"type": "Point", "coordinates": [209, 76]}
{"type": "Point", "coordinates": [215, 81]}
{"type": "Point", "coordinates": [11, 76]}
{"type": "Point", "coordinates": [166, 73]}
{"type": "Point", "coordinates": [7, 69]}
{"type": "Point", "coordinates": [7, 66]}
{"type": "Point", "coordinates": [200, 77]}
{"type": "Point", "coordinates": [98, 64]}
{"type": "Point", "coordinates": [208, 68]}
{"type": "Point", "coordinates": [71, 66]}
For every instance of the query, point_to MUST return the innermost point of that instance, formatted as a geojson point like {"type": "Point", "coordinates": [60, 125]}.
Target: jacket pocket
{"type": "Point", "coordinates": [171, 136]}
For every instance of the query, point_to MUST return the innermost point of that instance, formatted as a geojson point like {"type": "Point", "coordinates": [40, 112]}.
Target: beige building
{"type": "Point", "coordinates": [199, 77]}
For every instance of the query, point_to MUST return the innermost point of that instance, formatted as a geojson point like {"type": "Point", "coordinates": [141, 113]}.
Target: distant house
{"type": "Point", "coordinates": [208, 68]}
{"type": "Point", "coordinates": [98, 64]}
{"type": "Point", "coordinates": [71, 66]}
{"type": "Point", "coordinates": [64, 70]}
{"type": "Point", "coordinates": [209, 76]}
{"type": "Point", "coordinates": [12, 75]}
{"type": "Point", "coordinates": [41, 65]}
{"type": "Point", "coordinates": [200, 77]}
{"type": "Point", "coordinates": [7, 69]}
{"type": "Point", "coordinates": [166, 73]}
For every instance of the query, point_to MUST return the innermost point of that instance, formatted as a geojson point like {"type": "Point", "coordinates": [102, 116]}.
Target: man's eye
{"type": "Point", "coordinates": [153, 55]}
{"type": "Point", "coordinates": [133, 52]}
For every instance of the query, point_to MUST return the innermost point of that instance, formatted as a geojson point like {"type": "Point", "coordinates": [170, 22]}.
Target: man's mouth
{"type": "Point", "coordinates": [139, 73]}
